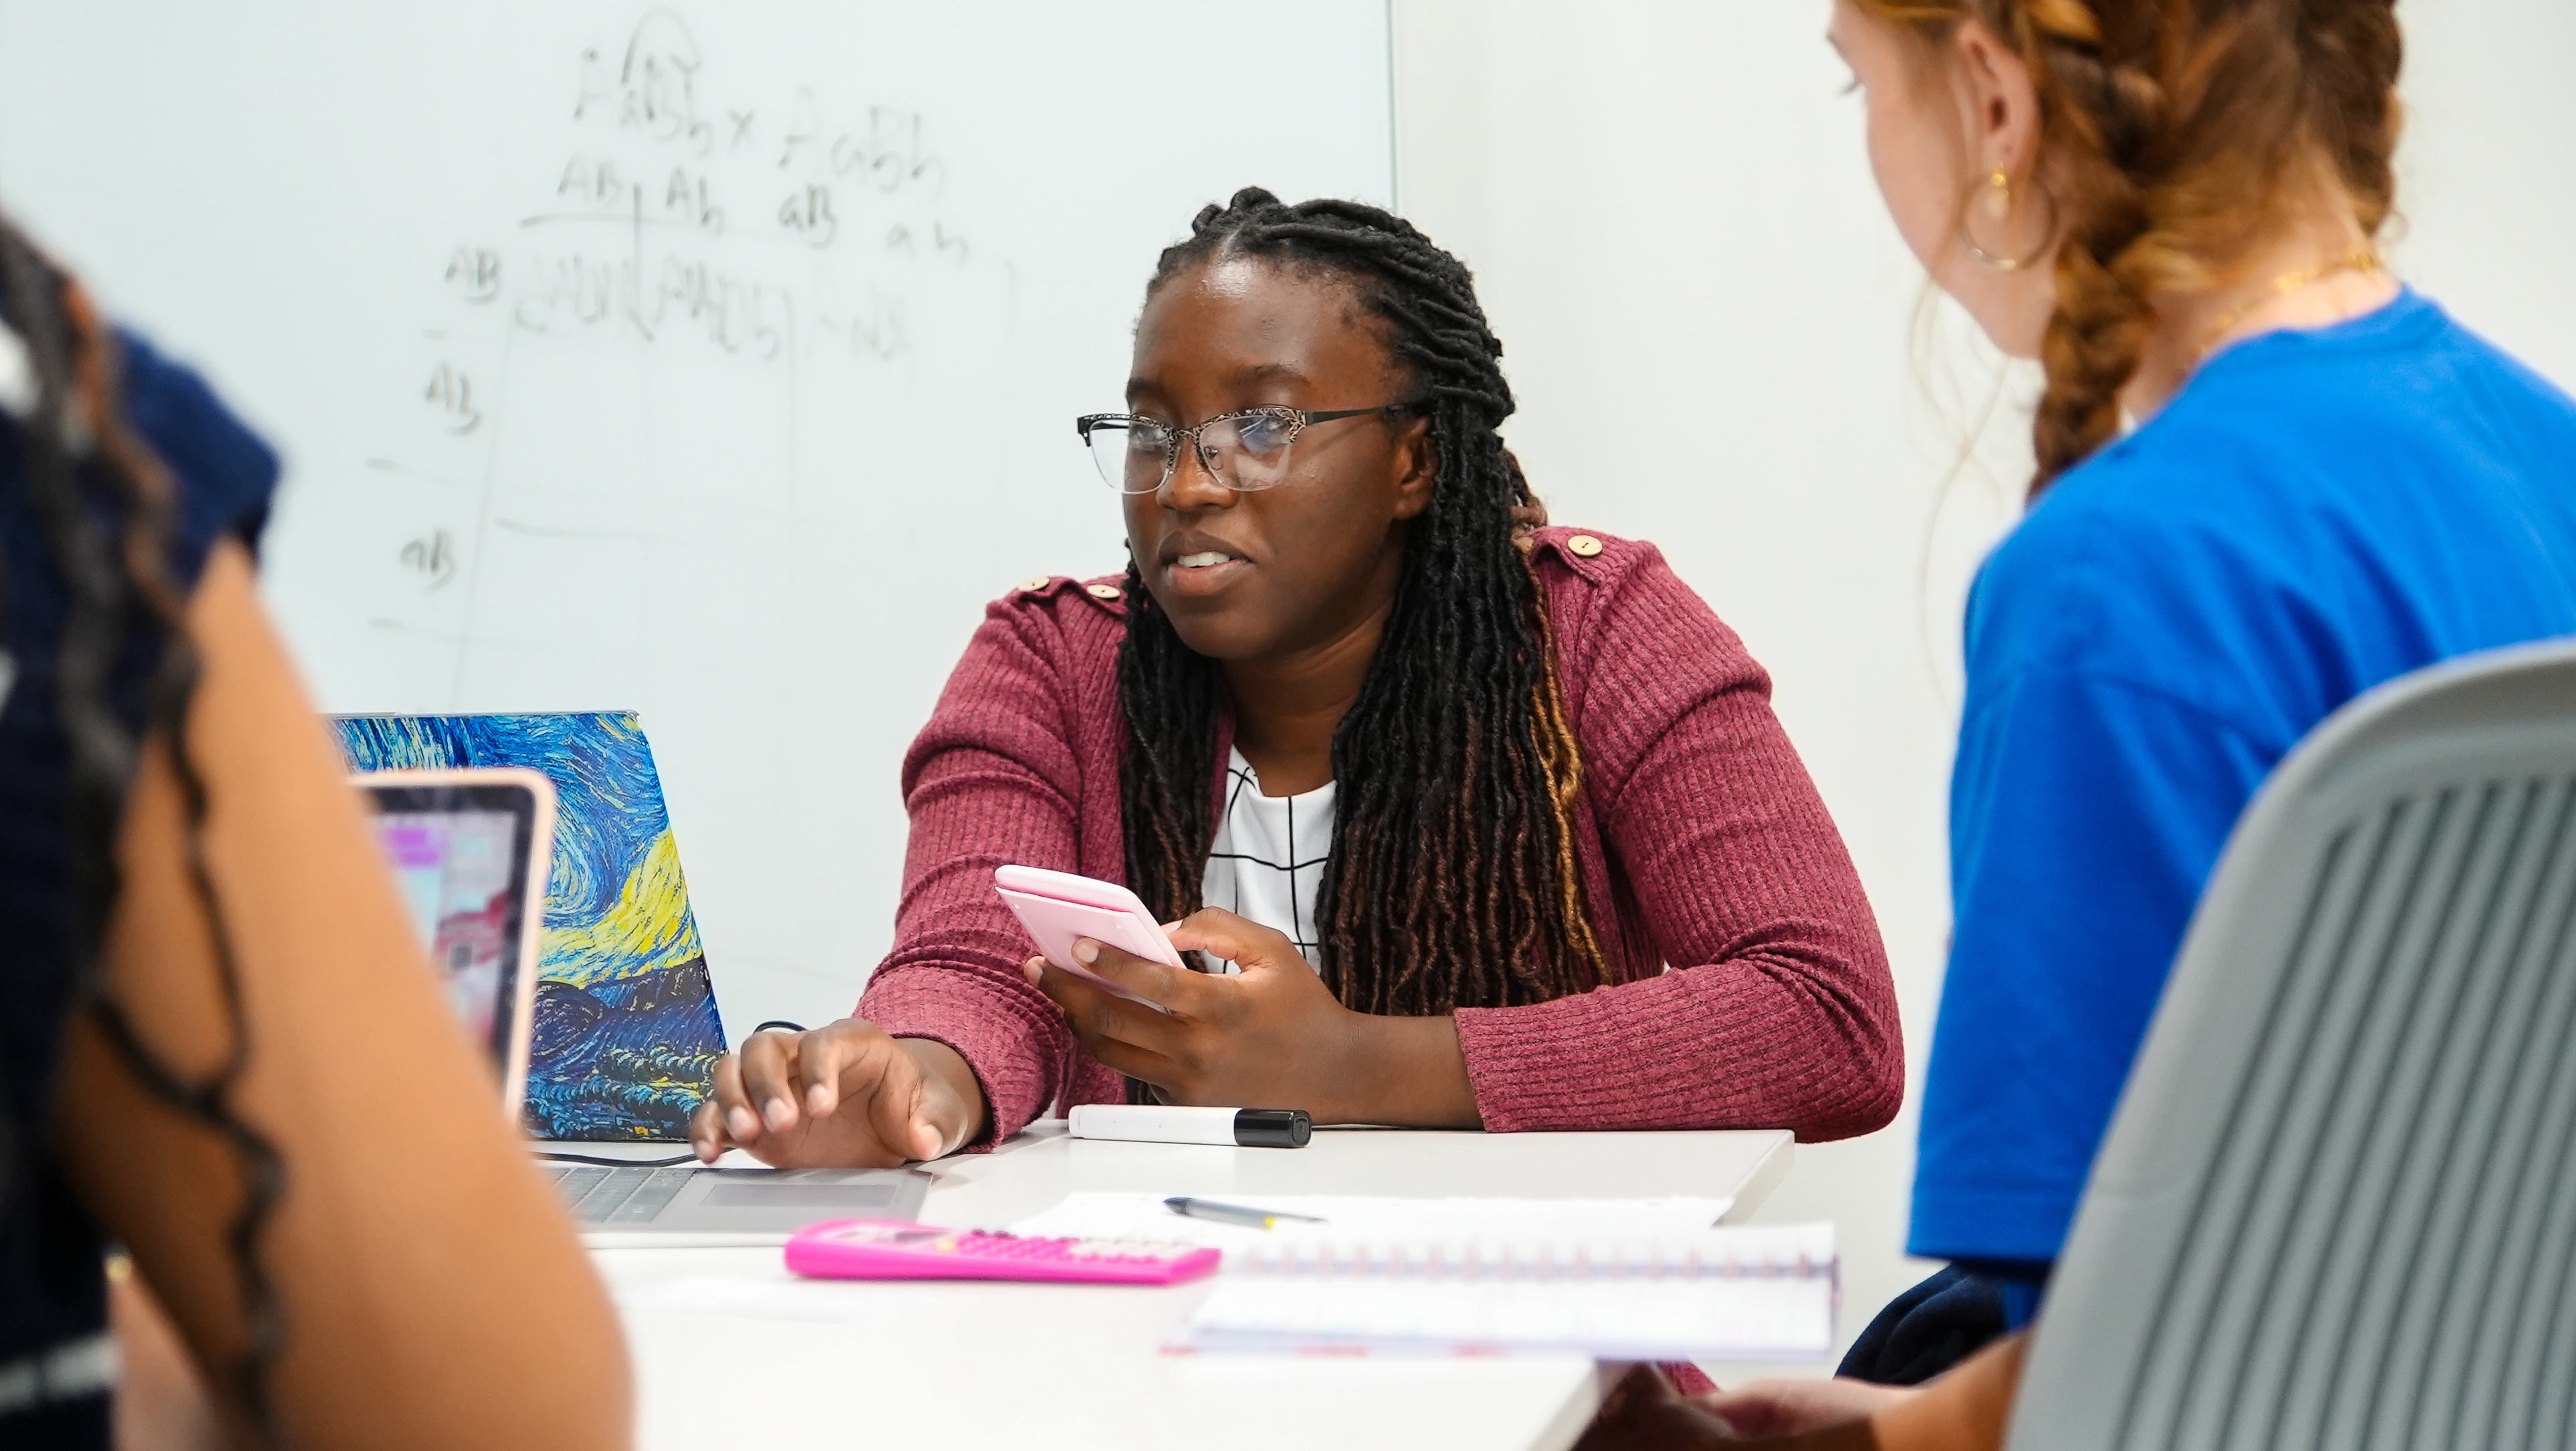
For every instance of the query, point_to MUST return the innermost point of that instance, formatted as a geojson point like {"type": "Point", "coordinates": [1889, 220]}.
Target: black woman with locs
{"type": "Point", "coordinates": [1437, 787]}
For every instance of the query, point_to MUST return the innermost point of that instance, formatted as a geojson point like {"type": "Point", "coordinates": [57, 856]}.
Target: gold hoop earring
{"type": "Point", "coordinates": [1999, 205]}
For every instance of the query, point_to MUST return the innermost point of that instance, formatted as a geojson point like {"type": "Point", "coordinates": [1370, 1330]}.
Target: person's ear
{"type": "Point", "coordinates": [2000, 104]}
{"type": "Point", "coordinates": [1416, 465]}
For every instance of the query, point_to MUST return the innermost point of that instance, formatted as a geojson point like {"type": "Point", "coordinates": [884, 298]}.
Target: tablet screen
{"type": "Point", "coordinates": [454, 872]}
{"type": "Point", "coordinates": [460, 859]}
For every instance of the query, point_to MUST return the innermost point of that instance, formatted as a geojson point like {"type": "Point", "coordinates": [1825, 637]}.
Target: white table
{"type": "Point", "coordinates": [1068, 1368]}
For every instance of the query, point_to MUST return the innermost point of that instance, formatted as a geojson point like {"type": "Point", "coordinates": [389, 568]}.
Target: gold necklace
{"type": "Point", "coordinates": [2364, 260]}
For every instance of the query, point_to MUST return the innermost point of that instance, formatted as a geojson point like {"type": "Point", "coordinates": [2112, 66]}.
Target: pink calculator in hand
{"type": "Point", "coordinates": [895, 1249]}
{"type": "Point", "coordinates": [1060, 908]}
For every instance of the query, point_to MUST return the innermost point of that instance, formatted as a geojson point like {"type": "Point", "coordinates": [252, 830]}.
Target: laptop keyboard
{"type": "Point", "coordinates": [599, 1195]}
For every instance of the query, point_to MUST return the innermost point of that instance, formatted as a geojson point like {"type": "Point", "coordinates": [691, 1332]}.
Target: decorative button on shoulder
{"type": "Point", "coordinates": [1103, 591]}
{"type": "Point", "coordinates": [1033, 584]}
{"type": "Point", "coordinates": [1583, 546]}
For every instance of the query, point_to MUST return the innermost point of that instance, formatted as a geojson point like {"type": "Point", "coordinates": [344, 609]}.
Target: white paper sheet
{"type": "Point", "coordinates": [1144, 1217]}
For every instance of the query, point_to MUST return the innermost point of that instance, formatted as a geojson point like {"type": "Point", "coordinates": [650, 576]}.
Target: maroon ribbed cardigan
{"type": "Point", "coordinates": [1702, 844]}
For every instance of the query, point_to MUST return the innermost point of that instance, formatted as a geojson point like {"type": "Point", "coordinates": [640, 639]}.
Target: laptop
{"type": "Point", "coordinates": [473, 848]}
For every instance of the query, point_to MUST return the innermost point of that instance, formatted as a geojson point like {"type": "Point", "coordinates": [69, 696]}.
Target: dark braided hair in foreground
{"type": "Point", "coordinates": [107, 505]}
{"type": "Point", "coordinates": [1453, 880]}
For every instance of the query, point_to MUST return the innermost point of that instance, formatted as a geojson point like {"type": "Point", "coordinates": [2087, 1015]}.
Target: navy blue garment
{"type": "Point", "coordinates": [1927, 1330]}
{"type": "Point", "coordinates": [2314, 514]}
{"type": "Point", "coordinates": [52, 1292]}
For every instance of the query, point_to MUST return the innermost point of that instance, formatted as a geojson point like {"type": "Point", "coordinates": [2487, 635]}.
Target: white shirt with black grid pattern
{"type": "Point", "coordinates": [1267, 863]}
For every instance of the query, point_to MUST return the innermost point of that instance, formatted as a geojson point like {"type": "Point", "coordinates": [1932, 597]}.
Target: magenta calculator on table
{"type": "Point", "coordinates": [894, 1249]}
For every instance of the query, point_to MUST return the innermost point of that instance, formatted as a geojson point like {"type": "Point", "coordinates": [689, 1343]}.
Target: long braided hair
{"type": "Point", "coordinates": [2168, 130]}
{"type": "Point", "coordinates": [1453, 879]}
{"type": "Point", "coordinates": [107, 506]}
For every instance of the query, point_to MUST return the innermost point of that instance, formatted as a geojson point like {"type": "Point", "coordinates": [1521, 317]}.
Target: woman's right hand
{"type": "Point", "coordinates": [844, 1095]}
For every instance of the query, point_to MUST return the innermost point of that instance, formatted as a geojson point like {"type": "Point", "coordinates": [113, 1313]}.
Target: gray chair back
{"type": "Point", "coordinates": [2337, 1204]}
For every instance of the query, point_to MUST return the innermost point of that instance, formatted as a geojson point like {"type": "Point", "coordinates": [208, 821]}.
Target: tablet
{"type": "Point", "coordinates": [470, 852]}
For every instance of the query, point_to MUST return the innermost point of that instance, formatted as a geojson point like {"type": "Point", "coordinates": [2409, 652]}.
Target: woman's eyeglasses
{"type": "Point", "coordinates": [1244, 451]}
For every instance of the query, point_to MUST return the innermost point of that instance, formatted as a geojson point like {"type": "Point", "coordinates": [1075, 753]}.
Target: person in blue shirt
{"type": "Point", "coordinates": [2319, 511]}
{"type": "Point", "coordinates": [2269, 478]}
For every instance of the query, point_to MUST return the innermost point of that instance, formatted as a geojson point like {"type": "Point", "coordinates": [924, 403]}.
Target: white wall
{"type": "Point", "coordinates": [1720, 345]}
{"type": "Point", "coordinates": [750, 476]}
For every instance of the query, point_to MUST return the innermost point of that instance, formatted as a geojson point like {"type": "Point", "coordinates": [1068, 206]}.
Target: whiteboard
{"type": "Point", "coordinates": [714, 361]}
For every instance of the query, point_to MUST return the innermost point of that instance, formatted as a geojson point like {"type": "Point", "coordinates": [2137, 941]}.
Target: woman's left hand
{"type": "Point", "coordinates": [1270, 1036]}
{"type": "Point", "coordinates": [1644, 1413]}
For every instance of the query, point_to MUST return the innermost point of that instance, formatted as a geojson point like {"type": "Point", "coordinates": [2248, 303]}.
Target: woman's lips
{"type": "Point", "coordinates": [1203, 573]}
